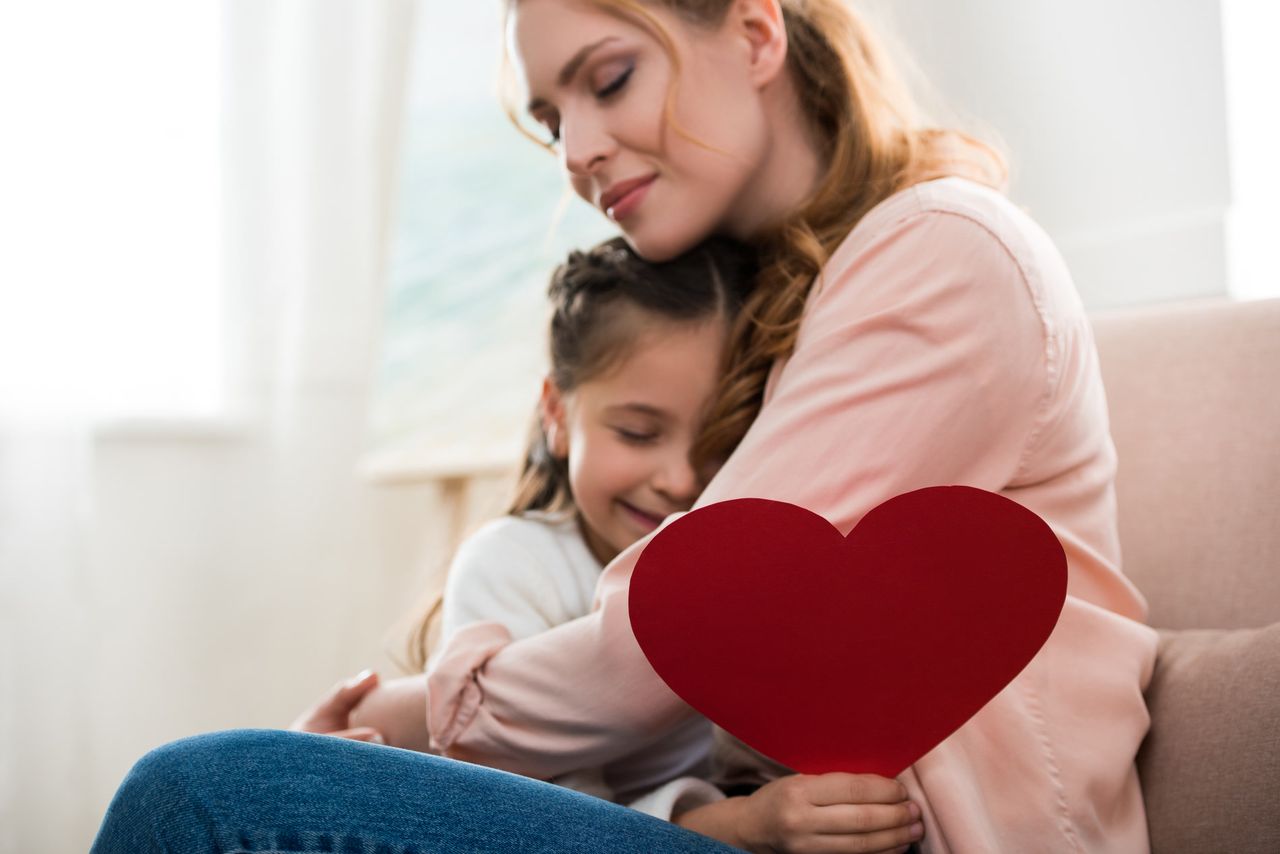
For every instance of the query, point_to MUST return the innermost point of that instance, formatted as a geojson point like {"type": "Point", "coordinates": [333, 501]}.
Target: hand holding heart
{"type": "Point", "coordinates": [828, 812]}
{"type": "Point", "coordinates": [858, 653]}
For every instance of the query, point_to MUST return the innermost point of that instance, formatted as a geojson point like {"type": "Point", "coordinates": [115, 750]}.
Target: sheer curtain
{"type": "Point", "coordinates": [217, 561]}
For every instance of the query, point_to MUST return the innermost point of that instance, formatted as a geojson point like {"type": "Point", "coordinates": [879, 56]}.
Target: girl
{"type": "Point", "coordinates": [911, 327]}
{"type": "Point", "coordinates": [635, 350]}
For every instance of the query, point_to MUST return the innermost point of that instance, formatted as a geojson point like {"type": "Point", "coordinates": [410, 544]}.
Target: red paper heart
{"type": "Point", "coordinates": [859, 653]}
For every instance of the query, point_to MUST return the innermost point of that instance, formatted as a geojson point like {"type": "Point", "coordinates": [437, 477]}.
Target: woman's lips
{"type": "Point", "coordinates": [622, 207]}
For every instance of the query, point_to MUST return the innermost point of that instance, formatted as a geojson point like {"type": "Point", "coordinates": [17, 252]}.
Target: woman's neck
{"type": "Point", "coordinates": [791, 170]}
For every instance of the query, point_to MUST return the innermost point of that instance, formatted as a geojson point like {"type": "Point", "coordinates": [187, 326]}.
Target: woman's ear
{"type": "Point", "coordinates": [552, 411]}
{"type": "Point", "coordinates": [762, 24]}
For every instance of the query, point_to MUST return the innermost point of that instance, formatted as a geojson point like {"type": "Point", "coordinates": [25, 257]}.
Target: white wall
{"type": "Point", "coordinates": [219, 581]}
{"type": "Point", "coordinates": [1114, 114]}
{"type": "Point", "coordinates": [1253, 121]}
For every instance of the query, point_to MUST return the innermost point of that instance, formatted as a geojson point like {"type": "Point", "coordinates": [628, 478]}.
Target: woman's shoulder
{"type": "Point", "coordinates": [984, 208]}
{"type": "Point", "coordinates": [975, 237]}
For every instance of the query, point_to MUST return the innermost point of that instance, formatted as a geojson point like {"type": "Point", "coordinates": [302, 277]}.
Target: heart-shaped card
{"type": "Point", "coordinates": [858, 653]}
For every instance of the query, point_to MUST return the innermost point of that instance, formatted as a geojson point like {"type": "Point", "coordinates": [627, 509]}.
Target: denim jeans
{"type": "Point", "coordinates": [274, 791]}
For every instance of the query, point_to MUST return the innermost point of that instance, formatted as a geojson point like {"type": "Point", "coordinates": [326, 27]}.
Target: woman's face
{"type": "Point", "coordinates": [598, 84]}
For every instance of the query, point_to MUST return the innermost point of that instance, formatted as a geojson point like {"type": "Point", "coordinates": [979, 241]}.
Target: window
{"type": "Point", "coordinates": [110, 277]}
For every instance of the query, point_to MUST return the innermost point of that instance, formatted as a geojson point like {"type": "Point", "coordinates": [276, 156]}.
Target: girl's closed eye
{"type": "Point", "coordinates": [636, 437]}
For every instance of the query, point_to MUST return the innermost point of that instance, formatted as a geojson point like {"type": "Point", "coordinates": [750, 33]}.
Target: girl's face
{"type": "Point", "coordinates": [627, 433]}
{"type": "Point", "coordinates": [598, 84]}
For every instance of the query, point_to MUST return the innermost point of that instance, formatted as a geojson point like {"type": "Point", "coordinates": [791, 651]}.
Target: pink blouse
{"type": "Point", "coordinates": [944, 344]}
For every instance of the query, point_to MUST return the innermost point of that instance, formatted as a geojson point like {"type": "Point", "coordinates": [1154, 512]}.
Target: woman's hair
{"type": "Point", "coordinates": [873, 144]}
{"type": "Point", "coordinates": [603, 301]}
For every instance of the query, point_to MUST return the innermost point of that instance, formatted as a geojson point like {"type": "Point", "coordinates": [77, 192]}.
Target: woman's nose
{"type": "Point", "coordinates": [585, 143]}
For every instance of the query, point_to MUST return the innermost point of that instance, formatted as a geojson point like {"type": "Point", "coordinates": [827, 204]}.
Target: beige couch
{"type": "Point", "coordinates": [1194, 391]}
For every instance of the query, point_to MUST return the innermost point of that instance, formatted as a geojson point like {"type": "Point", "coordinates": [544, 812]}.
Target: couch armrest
{"type": "Point", "coordinates": [1210, 766]}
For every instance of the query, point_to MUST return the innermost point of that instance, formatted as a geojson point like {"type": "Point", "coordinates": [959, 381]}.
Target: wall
{"type": "Point", "coordinates": [1115, 117]}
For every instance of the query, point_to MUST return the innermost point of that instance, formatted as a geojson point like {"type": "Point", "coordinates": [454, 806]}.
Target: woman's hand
{"type": "Point", "coordinates": [398, 710]}
{"type": "Point", "coordinates": [332, 714]}
{"type": "Point", "coordinates": [802, 813]}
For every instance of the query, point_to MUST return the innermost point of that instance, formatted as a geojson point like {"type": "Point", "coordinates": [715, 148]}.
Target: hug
{"type": "Point", "coordinates": [816, 298]}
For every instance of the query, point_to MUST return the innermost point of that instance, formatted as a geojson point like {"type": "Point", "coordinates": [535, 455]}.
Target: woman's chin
{"type": "Point", "coordinates": [658, 247]}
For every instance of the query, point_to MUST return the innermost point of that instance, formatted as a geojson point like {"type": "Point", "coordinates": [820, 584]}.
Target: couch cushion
{"type": "Point", "coordinates": [1195, 413]}
{"type": "Point", "coordinates": [1210, 766]}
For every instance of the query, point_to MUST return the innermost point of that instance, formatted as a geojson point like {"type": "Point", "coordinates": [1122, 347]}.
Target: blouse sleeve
{"type": "Point", "coordinates": [921, 360]}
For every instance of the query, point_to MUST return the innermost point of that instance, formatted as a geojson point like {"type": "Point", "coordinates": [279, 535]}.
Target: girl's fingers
{"type": "Point", "coordinates": [331, 712]}
{"type": "Point", "coordinates": [864, 818]}
{"type": "Point", "coordinates": [837, 788]}
{"type": "Point", "coordinates": [884, 840]}
{"type": "Point", "coordinates": [347, 695]}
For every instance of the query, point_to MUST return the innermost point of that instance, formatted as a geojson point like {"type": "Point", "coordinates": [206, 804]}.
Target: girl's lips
{"type": "Point", "coordinates": [648, 520]}
{"type": "Point", "coordinates": [625, 204]}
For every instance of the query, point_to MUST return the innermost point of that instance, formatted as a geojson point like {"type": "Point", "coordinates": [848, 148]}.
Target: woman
{"type": "Point", "coordinates": [912, 328]}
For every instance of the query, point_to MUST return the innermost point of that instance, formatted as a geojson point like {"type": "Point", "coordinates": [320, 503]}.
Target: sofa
{"type": "Point", "coordinates": [1194, 395]}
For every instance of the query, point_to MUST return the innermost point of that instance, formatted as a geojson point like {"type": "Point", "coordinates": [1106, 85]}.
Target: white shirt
{"type": "Point", "coordinates": [532, 573]}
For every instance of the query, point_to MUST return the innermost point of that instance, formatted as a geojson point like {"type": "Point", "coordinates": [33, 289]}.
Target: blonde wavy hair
{"type": "Point", "coordinates": [873, 144]}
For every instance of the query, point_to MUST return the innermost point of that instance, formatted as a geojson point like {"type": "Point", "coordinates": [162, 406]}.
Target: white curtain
{"type": "Point", "coordinates": [165, 577]}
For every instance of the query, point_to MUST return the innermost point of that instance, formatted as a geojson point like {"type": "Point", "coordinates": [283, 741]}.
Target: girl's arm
{"type": "Point", "coordinates": [827, 812]}
{"type": "Point", "coordinates": [511, 575]}
{"type": "Point", "coordinates": [331, 714]}
{"type": "Point", "coordinates": [923, 359]}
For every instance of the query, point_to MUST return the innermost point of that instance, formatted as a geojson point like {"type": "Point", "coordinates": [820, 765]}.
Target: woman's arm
{"type": "Point", "coordinates": [922, 360]}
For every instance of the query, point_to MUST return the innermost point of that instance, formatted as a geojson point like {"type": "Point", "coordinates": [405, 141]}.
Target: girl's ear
{"type": "Point", "coordinates": [552, 410]}
{"type": "Point", "coordinates": [761, 23]}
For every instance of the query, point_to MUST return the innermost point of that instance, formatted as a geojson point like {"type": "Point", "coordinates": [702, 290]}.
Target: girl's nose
{"type": "Point", "coordinates": [676, 480]}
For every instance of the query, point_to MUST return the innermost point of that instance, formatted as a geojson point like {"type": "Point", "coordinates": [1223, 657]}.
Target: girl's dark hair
{"type": "Point", "coordinates": [602, 301]}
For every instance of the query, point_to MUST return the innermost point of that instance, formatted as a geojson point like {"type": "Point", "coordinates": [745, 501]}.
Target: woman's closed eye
{"type": "Point", "coordinates": [615, 83]}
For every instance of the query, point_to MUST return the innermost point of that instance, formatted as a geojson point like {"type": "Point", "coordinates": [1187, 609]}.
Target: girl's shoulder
{"type": "Point", "coordinates": [534, 528]}
{"type": "Point", "coordinates": [537, 535]}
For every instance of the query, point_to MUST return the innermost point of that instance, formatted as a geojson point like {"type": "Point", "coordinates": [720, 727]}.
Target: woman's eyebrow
{"type": "Point", "coordinates": [571, 68]}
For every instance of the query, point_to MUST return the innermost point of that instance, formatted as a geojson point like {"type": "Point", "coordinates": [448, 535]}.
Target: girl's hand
{"type": "Point", "coordinates": [832, 812]}
{"type": "Point", "coordinates": [802, 813]}
{"type": "Point", "coordinates": [332, 714]}
{"type": "Point", "coordinates": [398, 710]}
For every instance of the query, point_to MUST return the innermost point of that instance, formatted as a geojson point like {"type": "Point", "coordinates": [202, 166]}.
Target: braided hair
{"type": "Point", "coordinates": [602, 301]}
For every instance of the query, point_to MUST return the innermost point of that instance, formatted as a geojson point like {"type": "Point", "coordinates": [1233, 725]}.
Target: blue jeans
{"type": "Point", "coordinates": [275, 791]}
